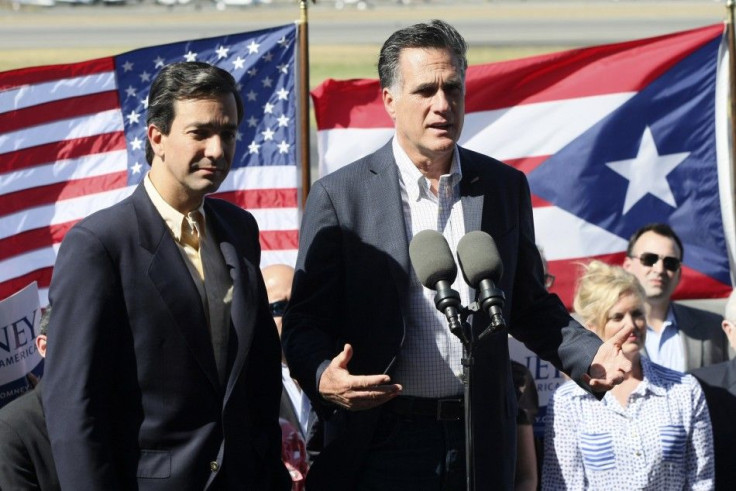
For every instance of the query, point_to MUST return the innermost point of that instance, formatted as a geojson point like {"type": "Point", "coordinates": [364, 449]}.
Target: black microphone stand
{"type": "Point", "coordinates": [467, 362]}
{"type": "Point", "coordinates": [469, 340]}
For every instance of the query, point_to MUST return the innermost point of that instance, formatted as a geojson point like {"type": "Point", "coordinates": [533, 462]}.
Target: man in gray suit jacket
{"type": "Point", "coordinates": [364, 338]}
{"type": "Point", "coordinates": [719, 386]}
{"type": "Point", "coordinates": [163, 361]}
{"type": "Point", "coordinates": [679, 337]}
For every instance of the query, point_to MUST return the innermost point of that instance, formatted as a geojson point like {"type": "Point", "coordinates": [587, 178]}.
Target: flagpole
{"type": "Point", "coordinates": [304, 147]}
{"type": "Point", "coordinates": [730, 23]}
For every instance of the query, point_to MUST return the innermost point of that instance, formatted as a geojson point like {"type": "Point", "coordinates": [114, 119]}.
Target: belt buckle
{"type": "Point", "coordinates": [446, 403]}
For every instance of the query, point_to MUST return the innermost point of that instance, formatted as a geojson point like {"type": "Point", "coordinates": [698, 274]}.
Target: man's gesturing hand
{"type": "Point", "coordinates": [610, 366]}
{"type": "Point", "coordinates": [354, 392]}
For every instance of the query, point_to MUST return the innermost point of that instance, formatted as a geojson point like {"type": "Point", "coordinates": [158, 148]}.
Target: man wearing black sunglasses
{"type": "Point", "coordinates": [679, 337]}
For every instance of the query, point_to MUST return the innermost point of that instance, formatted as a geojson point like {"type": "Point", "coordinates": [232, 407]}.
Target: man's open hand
{"type": "Point", "coordinates": [354, 392]}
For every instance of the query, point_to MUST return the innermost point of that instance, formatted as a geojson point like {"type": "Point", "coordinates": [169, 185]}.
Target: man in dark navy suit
{"type": "Point", "coordinates": [163, 359]}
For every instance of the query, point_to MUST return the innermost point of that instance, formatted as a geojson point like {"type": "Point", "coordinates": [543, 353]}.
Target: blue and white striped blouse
{"type": "Point", "coordinates": [661, 440]}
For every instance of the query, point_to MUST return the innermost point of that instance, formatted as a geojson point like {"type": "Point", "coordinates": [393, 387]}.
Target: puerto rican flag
{"type": "Point", "coordinates": [611, 138]}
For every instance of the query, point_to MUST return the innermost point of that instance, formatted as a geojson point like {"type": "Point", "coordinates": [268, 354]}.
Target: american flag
{"type": "Point", "coordinates": [72, 141]}
{"type": "Point", "coordinates": [610, 137]}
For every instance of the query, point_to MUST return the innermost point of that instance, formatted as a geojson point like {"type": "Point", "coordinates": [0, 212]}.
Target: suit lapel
{"type": "Point", "coordinates": [471, 194]}
{"type": "Point", "coordinates": [172, 279]}
{"type": "Point", "coordinates": [692, 348]}
{"type": "Point", "coordinates": [244, 307]}
{"type": "Point", "coordinates": [388, 218]}
{"type": "Point", "coordinates": [729, 377]}
{"type": "Point", "coordinates": [390, 231]}
{"type": "Point", "coordinates": [288, 411]}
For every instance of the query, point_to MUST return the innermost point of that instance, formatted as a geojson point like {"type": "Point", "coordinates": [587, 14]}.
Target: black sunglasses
{"type": "Point", "coordinates": [650, 259]}
{"type": "Point", "coordinates": [277, 308]}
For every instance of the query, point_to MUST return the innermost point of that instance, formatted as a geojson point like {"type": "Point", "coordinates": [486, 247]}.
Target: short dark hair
{"type": "Point", "coordinates": [43, 325]}
{"type": "Point", "coordinates": [658, 228]}
{"type": "Point", "coordinates": [186, 80]}
{"type": "Point", "coordinates": [435, 34]}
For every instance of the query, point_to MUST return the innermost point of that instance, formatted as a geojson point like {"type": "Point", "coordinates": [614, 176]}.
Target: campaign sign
{"type": "Point", "coordinates": [546, 377]}
{"type": "Point", "coordinates": [20, 315]}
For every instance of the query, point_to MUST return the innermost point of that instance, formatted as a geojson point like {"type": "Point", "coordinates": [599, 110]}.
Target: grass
{"type": "Point", "coordinates": [338, 62]}
{"type": "Point", "coordinates": [344, 62]}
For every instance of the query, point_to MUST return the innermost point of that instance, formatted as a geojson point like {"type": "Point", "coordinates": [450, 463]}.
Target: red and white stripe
{"type": "Point", "coordinates": [63, 156]}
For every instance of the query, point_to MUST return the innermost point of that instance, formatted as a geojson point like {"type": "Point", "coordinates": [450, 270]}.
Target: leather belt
{"type": "Point", "coordinates": [445, 409]}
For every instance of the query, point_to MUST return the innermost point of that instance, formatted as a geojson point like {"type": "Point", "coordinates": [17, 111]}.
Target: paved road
{"type": "Point", "coordinates": [510, 23]}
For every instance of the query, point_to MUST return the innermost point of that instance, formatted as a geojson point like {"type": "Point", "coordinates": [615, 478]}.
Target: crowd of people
{"type": "Point", "coordinates": [174, 362]}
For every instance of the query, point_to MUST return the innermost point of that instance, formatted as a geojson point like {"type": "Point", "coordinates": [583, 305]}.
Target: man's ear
{"type": "Point", "coordinates": [678, 276]}
{"type": "Point", "coordinates": [388, 102]}
{"type": "Point", "coordinates": [155, 136]}
{"type": "Point", "coordinates": [730, 329]}
{"type": "Point", "coordinates": [627, 264]}
{"type": "Point", "coordinates": [41, 345]}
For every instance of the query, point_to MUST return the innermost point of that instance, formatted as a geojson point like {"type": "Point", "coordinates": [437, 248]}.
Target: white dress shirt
{"type": "Point", "coordinates": [429, 364]}
{"type": "Point", "coordinates": [666, 347]}
{"type": "Point", "coordinates": [298, 399]}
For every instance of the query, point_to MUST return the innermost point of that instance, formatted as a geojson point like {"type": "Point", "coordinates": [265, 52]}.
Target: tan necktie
{"type": "Point", "coordinates": [191, 228]}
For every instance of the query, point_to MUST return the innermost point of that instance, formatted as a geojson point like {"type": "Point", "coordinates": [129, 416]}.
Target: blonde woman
{"type": "Point", "coordinates": [652, 431]}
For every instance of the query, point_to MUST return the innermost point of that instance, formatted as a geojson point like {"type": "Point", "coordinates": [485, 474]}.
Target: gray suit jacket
{"type": "Point", "coordinates": [719, 386]}
{"type": "Point", "coordinates": [704, 341]}
{"type": "Point", "coordinates": [351, 285]}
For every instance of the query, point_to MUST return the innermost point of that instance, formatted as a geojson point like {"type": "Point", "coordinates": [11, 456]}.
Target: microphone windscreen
{"type": "Point", "coordinates": [432, 258]}
{"type": "Point", "coordinates": [479, 258]}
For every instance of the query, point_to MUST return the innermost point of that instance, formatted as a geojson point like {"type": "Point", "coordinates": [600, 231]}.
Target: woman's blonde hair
{"type": "Point", "coordinates": [599, 288]}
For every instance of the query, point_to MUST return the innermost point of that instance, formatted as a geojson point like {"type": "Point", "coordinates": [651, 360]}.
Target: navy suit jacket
{"type": "Point", "coordinates": [351, 286]}
{"type": "Point", "coordinates": [719, 386]}
{"type": "Point", "coordinates": [132, 395]}
{"type": "Point", "coordinates": [25, 451]}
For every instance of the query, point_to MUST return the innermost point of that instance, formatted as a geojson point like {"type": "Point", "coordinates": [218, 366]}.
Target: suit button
{"type": "Point", "coordinates": [214, 466]}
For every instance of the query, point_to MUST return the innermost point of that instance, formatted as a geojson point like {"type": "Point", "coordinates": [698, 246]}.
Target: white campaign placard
{"type": "Point", "coordinates": [20, 315]}
{"type": "Point", "coordinates": [546, 379]}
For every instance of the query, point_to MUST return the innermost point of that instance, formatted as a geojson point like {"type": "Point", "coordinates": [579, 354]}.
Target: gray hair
{"type": "Point", "coordinates": [43, 326]}
{"type": "Point", "coordinates": [435, 34]}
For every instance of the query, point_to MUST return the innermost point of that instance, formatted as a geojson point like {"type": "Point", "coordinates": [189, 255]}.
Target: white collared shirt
{"type": "Point", "coordinates": [666, 346]}
{"type": "Point", "coordinates": [429, 364]}
{"type": "Point", "coordinates": [298, 398]}
{"type": "Point", "coordinates": [174, 219]}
